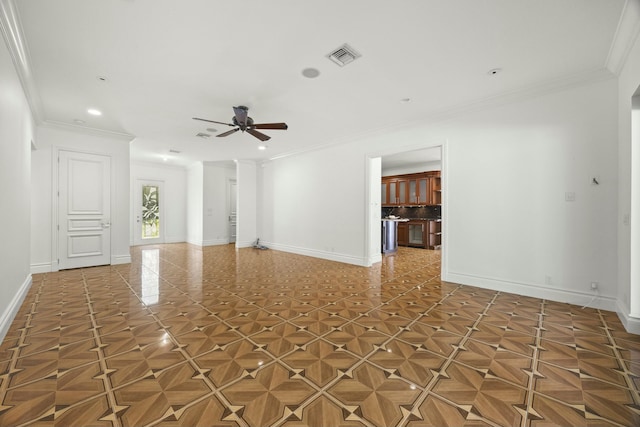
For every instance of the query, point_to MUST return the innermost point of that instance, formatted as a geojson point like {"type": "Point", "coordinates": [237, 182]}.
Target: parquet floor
{"type": "Point", "coordinates": [190, 336]}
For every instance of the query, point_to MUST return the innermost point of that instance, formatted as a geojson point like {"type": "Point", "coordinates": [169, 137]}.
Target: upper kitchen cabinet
{"type": "Point", "coordinates": [436, 190]}
{"type": "Point", "coordinates": [419, 189]}
{"type": "Point", "coordinates": [395, 191]}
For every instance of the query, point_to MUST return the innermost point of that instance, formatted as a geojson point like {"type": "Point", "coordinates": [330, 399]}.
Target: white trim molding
{"type": "Point", "coordinates": [11, 30]}
{"type": "Point", "coordinates": [41, 267]}
{"type": "Point", "coordinates": [626, 35]}
{"type": "Point", "coordinates": [215, 242]}
{"type": "Point", "coordinates": [13, 307]}
{"type": "Point", "coordinates": [331, 256]}
{"type": "Point", "coordinates": [120, 259]}
{"type": "Point", "coordinates": [534, 290]}
{"type": "Point", "coordinates": [630, 323]}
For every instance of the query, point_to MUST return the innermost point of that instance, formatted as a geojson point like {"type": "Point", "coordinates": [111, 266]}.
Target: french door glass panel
{"type": "Point", "coordinates": [150, 212]}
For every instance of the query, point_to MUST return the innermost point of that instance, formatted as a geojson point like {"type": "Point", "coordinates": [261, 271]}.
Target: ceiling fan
{"type": "Point", "coordinates": [242, 121]}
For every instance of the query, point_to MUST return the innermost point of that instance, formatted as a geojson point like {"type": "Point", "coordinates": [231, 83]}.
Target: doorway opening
{"type": "Point", "coordinates": [632, 220]}
{"type": "Point", "coordinates": [409, 161]}
{"type": "Point", "coordinates": [149, 225]}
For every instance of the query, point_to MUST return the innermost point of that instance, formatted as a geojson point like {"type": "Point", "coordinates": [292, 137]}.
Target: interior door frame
{"type": "Point", "coordinates": [55, 189]}
{"type": "Point", "coordinates": [137, 199]}
{"type": "Point", "coordinates": [231, 182]}
{"type": "Point", "coordinates": [373, 200]}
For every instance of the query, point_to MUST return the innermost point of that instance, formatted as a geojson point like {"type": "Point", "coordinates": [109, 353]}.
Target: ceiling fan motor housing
{"type": "Point", "coordinates": [243, 126]}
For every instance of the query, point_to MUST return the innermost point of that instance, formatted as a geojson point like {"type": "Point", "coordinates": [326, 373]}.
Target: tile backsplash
{"type": "Point", "coordinates": [414, 212]}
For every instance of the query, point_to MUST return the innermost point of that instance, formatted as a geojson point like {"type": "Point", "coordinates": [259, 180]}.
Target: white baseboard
{"type": "Point", "coordinates": [197, 242]}
{"type": "Point", "coordinates": [41, 267]}
{"type": "Point", "coordinates": [215, 242]}
{"type": "Point", "coordinates": [331, 256]}
{"type": "Point", "coordinates": [175, 240]}
{"type": "Point", "coordinates": [533, 290]}
{"type": "Point", "coordinates": [631, 324]}
{"type": "Point", "coordinates": [13, 307]}
{"type": "Point", "coordinates": [374, 259]}
{"type": "Point", "coordinates": [120, 259]}
{"type": "Point", "coordinates": [245, 244]}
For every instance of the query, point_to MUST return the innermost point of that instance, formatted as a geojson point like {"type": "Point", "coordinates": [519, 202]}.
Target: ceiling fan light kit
{"type": "Point", "coordinates": [242, 122]}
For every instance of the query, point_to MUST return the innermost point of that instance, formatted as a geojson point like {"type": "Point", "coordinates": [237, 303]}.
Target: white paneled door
{"type": "Point", "coordinates": [84, 212]}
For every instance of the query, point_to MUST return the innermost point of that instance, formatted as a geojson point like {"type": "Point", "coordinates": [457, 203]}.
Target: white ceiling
{"type": "Point", "coordinates": [166, 61]}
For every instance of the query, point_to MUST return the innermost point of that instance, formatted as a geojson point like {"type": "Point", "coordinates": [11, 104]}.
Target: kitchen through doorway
{"type": "Point", "coordinates": [414, 161]}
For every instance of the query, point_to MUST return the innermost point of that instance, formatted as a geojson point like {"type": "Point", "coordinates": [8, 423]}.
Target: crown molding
{"type": "Point", "coordinates": [52, 124]}
{"type": "Point", "coordinates": [11, 29]}
{"type": "Point", "coordinates": [146, 163]}
{"type": "Point", "coordinates": [508, 97]}
{"type": "Point", "coordinates": [625, 36]}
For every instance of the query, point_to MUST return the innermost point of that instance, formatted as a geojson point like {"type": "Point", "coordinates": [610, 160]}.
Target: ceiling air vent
{"type": "Point", "coordinates": [344, 55]}
{"type": "Point", "coordinates": [203, 135]}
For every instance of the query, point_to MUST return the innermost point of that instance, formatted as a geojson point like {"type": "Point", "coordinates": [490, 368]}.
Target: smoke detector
{"type": "Point", "coordinates": [344, 55]}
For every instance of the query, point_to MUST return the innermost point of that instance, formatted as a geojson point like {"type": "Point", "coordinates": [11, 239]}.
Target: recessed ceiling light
{"type": "Point", "coordinates": [203, 135]}
{"type": "Point", "coordinates": [310, 73]}
{"type": "Point", "coordinates": [494, 71]}
{"type": "Point", "coordinates": [94, 112]}
{"type": "Point", "coordinates": [262, 147]}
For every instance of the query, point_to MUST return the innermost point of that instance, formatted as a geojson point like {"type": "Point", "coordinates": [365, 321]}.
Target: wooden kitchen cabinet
{"type": "Point", "coordinates": [436, 190]}
{"type": "Point", "coordinates": [434, 234]}
{"type": "Point", "coordinates": [419, 189]}
{"type": "Point", "coordinates": [395, 191]}
{"type": "Point", "coordinates": [403, 234]}
{"type": "Point", "coordinates": [420, 233]}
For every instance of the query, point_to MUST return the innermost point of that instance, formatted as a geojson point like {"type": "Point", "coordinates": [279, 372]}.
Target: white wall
{"type": "Point", "coordinates": [174, 199]}
{"type": "Point", "coordinates": [216, 203]}
{"type": "Point", "coordinates": [195, 204]}
{"type": "Point", "coordinates": [16, 134]}
{"type": "Point", "coordinates": [506, 171]}
{"type": "Point", "coordinates": [314, 204]}
{"type": "Point", "coordinates": [50, 140]}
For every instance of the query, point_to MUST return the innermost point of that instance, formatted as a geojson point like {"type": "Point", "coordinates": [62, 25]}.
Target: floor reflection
{"type": "Point", "coordinates": [150, 276]}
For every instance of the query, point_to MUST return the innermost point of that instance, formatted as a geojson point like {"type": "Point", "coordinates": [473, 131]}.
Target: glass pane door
{"type": "Point", "coordinates": [150, 212]}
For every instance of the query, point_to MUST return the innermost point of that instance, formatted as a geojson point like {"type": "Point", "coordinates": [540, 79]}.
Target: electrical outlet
{"type": "Point", "coordinates": [594, 285]}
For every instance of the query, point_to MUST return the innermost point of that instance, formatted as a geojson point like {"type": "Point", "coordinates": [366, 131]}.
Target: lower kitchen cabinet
{"type": "Point", "coordinates": [420, 234]}
{"type": "Point", "coordinates": [434, 235]}
{"type": "Point", "coordinates": [403, 234]}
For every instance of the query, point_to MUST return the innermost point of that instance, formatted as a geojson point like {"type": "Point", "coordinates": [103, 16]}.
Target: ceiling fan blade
{"type": "Point", "coordinates": [241, 114]}
{"type": "Point", "coordinates": [259, 135]}
{"type": "Point", "coordinates": [280, 126]}
{"type": "Point", "coordinates": [213, 121]}
{"type": "Point", "coordinates": [229, 132]}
